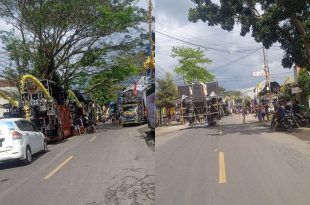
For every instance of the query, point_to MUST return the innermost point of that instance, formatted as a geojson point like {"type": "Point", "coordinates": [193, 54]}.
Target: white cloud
{"type": "Point", "coordinates": [224, 47]}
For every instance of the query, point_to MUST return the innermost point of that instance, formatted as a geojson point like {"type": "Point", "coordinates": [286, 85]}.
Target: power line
{"type": "Point", "coordinates": [202, 46]}
{"type": "Point", "coordinates": [196, 37]}
{"type": "Point", "coordinates": [194, 44]}
{"type": "Point", "coordinates": [282, 77]}
{"type": "Point", "coordinates": [234, 61]}
{"type": "Point", "coordinates": [243, 77]}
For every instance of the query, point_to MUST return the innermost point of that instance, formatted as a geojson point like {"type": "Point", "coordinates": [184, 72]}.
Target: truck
{"type": "Point", "coordinates": [44, 103]}
{"type": "Point", "coordinates": [200, 103]}
{"type": "Point", "coordinates": [150, 105]}
{"type": "Point", "coordinates": [133, 110]}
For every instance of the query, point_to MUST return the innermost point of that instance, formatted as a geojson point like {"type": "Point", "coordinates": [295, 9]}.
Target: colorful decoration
{"type": "Point", "coordinates": [37, 82]}
{"type": "Point", "coordinates": [7, 97]}
{"type": "Point", "coordinates": [150, 61]}
{"type": "Point", "coordinates": [23, 81]}
{"type": "Point", "coordinates": [72, 97]}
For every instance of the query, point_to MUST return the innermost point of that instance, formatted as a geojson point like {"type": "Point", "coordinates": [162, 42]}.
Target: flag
{"type": "Point", "coordinates": [134, 91]}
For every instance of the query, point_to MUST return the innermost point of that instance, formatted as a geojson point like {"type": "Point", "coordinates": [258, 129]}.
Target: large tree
{"type": "Point", "coordinates": [104, 86]}
{"type": "Point", "coordinates": [59, 40]}
{"type": "Point", "coordinates": [304, 82]}
{"type": "Point", "coordinates": [191, 64]}
{"type": "Point", "coordinates": [269, 21]}
{"type": "Point", "coordinates": [166, 92]}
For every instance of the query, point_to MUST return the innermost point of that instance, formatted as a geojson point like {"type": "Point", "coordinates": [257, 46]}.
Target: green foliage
{"type": "Point", "coordinates": [65, 40]}
{"type": "Point", "coordinates": [286, 91]}
{"type": "Point", "coordinates": [304, 82]}
{"type": "Point", "coordinates": [232, 94]}
{"type": "Point", "coordinates": [221, 90]}
{"type": "Point", "coordinates": [191, 63]}
{"type": "Point", "coordinates": [286, 22]}
{"type": "Point", "coordinates": [105, 85]}
{"type": "Point", "coordinates": [167, 92]}
{"type": "Point", "coordinates": [247, 101]}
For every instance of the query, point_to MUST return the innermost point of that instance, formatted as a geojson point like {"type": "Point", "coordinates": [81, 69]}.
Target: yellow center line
{"type": "Point", "coordinates": [92, 139]}
{"type": "Point", "coordinates": [58, 167]}
{"type": "Point", "coordinates": [222, 174]}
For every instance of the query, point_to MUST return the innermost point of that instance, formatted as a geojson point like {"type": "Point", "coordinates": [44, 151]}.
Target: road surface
{"type": "Point", "coordinates": [112, 166]}
{"type": "Point", "coordinates": [247, 164]}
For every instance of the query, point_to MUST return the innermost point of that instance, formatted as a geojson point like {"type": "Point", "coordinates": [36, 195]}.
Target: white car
{"type": "Point", "coordinates": [20, 139]}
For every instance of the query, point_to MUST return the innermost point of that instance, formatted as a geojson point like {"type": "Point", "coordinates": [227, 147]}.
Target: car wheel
{"type": "Point", "coordinates": [45, 149]}
{"type": "Point", "coordinates": [28, 158]}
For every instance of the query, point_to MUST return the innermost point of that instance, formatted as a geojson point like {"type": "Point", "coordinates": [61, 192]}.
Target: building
{"type": "Point", "coordinates": [8, 89]}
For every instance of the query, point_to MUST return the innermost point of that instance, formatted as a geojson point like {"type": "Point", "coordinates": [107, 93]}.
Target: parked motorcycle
{"type": "Point", "coordinates": [90, 127]}
{"type": "Point", "coordinates": [298, 119]}
{"type": "Point", "coordinates": [286, 123]}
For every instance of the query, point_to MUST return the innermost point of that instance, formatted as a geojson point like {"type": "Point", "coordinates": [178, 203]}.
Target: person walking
{"type": "Point", "coordinates": [77, 126]}
{"type": "Point", "coordinates": [263, 112]}
{"type": "Point", "coordinates": [266, 107]}
{"type": "Point", "coordinates": [259, 113]}
{"type": "Point", "coordinates": [244, 113]}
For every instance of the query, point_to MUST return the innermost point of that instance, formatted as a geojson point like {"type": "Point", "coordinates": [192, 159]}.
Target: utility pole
{"type": "Point", "coordinates": [267, 74]}
{"type": "Point", "coordinates": [150, 9]}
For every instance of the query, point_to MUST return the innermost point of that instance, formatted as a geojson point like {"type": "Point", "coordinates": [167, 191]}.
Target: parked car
{"type": "Point", "coordinates": [20, 139]}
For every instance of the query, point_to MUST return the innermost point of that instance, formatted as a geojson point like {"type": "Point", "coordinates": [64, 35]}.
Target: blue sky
{"type": "Point", "coordinates": [234, 57]}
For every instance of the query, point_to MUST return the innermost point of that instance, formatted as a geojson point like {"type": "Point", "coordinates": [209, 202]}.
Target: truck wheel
{"type": "Point", "coordinates": [28, 158]}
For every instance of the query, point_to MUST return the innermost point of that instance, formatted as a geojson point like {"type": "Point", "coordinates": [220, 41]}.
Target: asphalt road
{"type": "Point", "coordinates": [246, 165]}
{"type": "Point", "coordinates": [112, 166]}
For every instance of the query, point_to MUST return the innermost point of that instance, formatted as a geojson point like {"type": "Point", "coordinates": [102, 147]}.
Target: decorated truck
{"type": "Point", "coordinates": [150, 105]}
{"type": "Point", "coordinates": [133, 110]}
{"type": "Point", "coordinates": [200, 103]}
{"type": "Point", "coordinates": [44, 103]}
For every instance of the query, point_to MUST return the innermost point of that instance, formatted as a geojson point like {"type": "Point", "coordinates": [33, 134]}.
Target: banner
{"type": "Point", "coordinates": [259, 73]}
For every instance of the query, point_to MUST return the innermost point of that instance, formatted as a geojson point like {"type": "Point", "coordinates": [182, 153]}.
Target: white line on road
{"type": "Point", "coordinates": [92, 139]}
{"type": "Point", "coordinates": [58, 167]}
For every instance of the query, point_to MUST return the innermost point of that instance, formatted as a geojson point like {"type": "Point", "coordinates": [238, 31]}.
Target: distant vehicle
{"type": "Point", "coordinates": [20, 139]}
{"type": "Point", "coordinates": [150, 105]}
{"type": "Point", "coordinates": [200, 103]}
{"type": "Point", "coordinates": [133, 110]}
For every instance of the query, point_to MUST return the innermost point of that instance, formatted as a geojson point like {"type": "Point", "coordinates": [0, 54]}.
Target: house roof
{"type": "Point", "coordinates": [5, 83]}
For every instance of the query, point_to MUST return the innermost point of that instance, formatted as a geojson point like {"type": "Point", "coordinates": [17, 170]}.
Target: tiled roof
{"type": "Point", "coordinates": [5, 83]}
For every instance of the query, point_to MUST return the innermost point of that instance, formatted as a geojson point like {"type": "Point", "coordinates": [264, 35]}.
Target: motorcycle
{"type": "Point", "coordinates": [286, 123]}
{"type": "Point", "coordinates": [297, 119]}
{"type": "Point", "coordinates": [90, 128]}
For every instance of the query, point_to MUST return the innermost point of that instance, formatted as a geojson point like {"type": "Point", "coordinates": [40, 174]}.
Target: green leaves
{"type": "Point", "coordinates": [166, 92]}
{"type": "Point", "coordinates": [191, 63]}
{"type": "Point", "coordinates": [104, 85]}
{"type": "Point", "coordinates": [286, 22]}
{"type": "Point", "coordinates": [304, 82]}
{"type": "Point", "coordinates": [64, 39]}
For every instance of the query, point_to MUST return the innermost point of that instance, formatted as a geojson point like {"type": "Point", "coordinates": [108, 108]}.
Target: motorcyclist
{"type": "Point", "coordinates": [280, 115]}
{"type": "Point", "coordinates": [296, 107]}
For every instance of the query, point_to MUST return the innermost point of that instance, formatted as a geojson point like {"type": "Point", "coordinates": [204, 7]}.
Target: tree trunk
{"type": "Point", "coordinates": [300, 28]}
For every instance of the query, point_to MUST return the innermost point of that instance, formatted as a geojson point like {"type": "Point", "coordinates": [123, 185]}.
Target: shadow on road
{"type": "Point", "coordinates": [18, 163]}
{"type": "Point", "coordinates": [148, 136]}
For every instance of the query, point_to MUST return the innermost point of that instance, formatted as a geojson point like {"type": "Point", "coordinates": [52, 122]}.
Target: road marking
{"type": "Point", "coordinates": [222, 174]}
{"type": "Point", "coordinates": [92, 139]}
{"type": "Point", "coordinates": [58, 168]}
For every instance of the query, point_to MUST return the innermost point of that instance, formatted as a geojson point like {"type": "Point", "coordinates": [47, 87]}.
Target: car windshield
{"type": "Point", "coordinates": [6, 126]}
{"type": "Point", "coordinates": [129, 108]}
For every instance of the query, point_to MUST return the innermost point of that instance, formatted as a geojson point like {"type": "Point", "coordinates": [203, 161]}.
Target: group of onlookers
{"type": "Point", "coordinates": [262, 111]}
{"type": "Point", "coordinates": [79, 127]}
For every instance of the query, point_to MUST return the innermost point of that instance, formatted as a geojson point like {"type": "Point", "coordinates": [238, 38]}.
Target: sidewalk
{"type": "Point", "coordinates": [161, 131]}
{"type": "Point", "coordinates": [302, 133]}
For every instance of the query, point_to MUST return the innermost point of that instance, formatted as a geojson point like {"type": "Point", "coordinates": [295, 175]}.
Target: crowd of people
{"type": "Point", "coordinates": [262, 112]}
{"type": "Point", "coordinates": [84, 123]}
